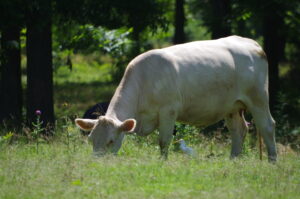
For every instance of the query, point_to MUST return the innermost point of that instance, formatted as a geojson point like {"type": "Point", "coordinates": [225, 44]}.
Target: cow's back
{"type": "Point", "coordinates": [202, 80]}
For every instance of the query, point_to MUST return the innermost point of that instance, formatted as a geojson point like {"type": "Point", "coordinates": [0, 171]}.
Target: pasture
{"type": "Point", "coordinates": [63, 169]}
{"type": "Point", "coordinates": [62, 166]}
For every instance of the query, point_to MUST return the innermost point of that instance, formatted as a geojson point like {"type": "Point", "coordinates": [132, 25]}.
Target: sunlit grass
{"type": "Point", "coordinates": [83, 72]}
{"type": "Point", "coordinates": [88, 83]}
{"type": "Point", "coordinates": [65, 169]}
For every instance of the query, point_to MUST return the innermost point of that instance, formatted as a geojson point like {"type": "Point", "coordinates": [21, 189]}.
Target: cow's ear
{"type": "Point", "coordinates": [128, 126]}
{"type": "Point", "coordinates": [85, 124]}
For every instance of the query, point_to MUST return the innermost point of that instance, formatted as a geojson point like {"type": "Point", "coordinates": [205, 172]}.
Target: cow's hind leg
{"type": "Point", "coordinates": [258, 105]}
{"type": "Point", "coordinates": [237, 126]}
{"type": "Point", "coordinates": [167, 120]}
{"type": "Point", "coordinates": [266, 127]}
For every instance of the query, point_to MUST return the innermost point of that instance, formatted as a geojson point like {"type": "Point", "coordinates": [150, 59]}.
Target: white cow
{"type": "Point", "coordinates": [198, 83]}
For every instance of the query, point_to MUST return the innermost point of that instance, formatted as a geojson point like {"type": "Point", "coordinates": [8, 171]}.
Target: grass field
{"type": "Point", "coordinates": [66, 169]}
{"type": "Point", "coordinates": [63, 167]}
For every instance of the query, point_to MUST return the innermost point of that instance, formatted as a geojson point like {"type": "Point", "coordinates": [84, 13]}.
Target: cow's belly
{"type": "Point", "coordinates": [203, 111]}
{"type": "Point", "coordinates": [146, 122]}
{"type": "Point", "coordinates": [199, 118]}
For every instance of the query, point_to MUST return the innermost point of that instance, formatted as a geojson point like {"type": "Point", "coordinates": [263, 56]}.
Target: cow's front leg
{"type": "Point", "coordinates": [166, 128]}
{"type": "Point", "coordinates": [164, 143]}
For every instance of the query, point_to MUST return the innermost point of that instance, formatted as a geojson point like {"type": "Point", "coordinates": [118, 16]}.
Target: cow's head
{"type": "Point", "coordinates": [106, 134]}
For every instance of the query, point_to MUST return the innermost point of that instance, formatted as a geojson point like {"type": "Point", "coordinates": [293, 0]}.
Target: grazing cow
{"type": "Point", "coordinates": [198, 83]}
{"type": "Point", "coordinates": [99, 110]}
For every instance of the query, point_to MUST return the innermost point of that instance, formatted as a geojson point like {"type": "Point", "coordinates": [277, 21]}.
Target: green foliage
{"type": "Point", "coordinates": [286, 130]}
{"type": "Point", "coordinates": [281, 117]}
{"type": "Point", "coordinates": [5, 139]}
{"type": "Point", "coordinates": [88, 26]}
{"type": "Point", "coordinates": [187, 132]}
{"type": "Point", "coordinates": [112, 14]}
{"type": "Point", "coordinates": [88, 39]}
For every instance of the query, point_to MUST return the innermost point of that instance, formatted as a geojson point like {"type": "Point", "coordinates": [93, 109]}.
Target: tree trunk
{"type": "Point", "coordinates": [179, 36]}
{"type": "Point", "coordinates": [39, 62]}
{"type": "Point", "coordinates": [11, 88]}
{"type": "Point", "coordinates": [274, 41]}
{"type": "Point", "coordinates": [220, 25]}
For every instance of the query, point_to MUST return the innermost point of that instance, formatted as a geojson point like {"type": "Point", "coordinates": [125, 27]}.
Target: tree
{"type": "Point", "coordinates": [39, 61]}
{"type": "Point", "coordinates": [11, 89]}
{"type": "Point", "coordinates": [274, 43]}
{"type": "Point", "coordinates": [10, 59]}
{"type": "Point", "coordinates": [179, 36]}
{"type": "Point", "coordinates": [220, 24]}
{"type": "Point", "coordinates": [216, 15]}
{"type": "Point", "coordinates": [37, 16]}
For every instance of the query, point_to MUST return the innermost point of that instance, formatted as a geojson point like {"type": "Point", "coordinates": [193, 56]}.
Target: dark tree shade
{"type": "Point", "coordinates": [138, 14]}
{"type": "Point", "coordinates": [216, 15]}
{"type": "Point", "coordinates": [11, 89]}
{"type": "Point", "coordinates": [11, 17]}
{"type": "Point", "coordinates": [39, 61]}
{"type": "Point", "coordinates": [220, 26]}
{"type": "Point", "coordinates": [274, 41]}
{"type": "Point", "coordinates": [179, 36]}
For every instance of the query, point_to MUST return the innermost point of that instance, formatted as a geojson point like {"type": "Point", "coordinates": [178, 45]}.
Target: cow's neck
{"type": "Point", "coordinates": [125, 100]}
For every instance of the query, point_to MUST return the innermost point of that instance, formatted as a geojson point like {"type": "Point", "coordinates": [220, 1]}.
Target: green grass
{"type": "Point", "coordinates": [66, 169]}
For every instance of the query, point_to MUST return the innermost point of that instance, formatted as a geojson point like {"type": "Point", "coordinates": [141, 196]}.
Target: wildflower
{"type": "Point", "coordinates": [248, 123]}
{"type": "Point", "coordinates": [38, 112]}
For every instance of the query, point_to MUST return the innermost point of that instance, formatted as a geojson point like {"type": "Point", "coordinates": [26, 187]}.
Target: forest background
{"type": "Point", "coordinates": [61, 57]}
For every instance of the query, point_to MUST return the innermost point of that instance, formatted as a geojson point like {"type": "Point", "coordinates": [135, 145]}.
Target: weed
{"type": "Point", "coordinates": [37, 129]}
{"type": "Point", "coordinates": [4, 140]}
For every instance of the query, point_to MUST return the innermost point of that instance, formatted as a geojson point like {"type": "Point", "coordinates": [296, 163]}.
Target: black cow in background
{"type": "Point", "coordinates": [96, 111]}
